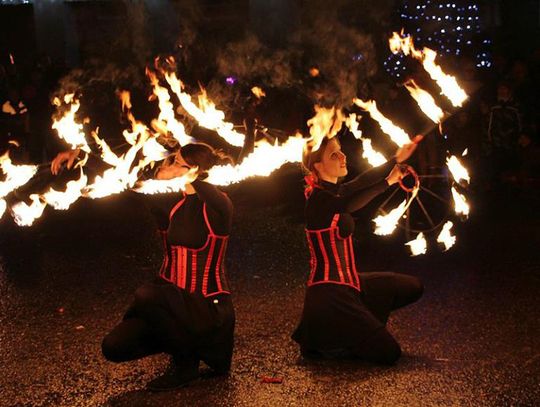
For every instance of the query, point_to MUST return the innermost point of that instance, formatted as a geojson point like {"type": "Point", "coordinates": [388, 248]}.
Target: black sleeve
{"type": "Point", "coordinates": [214, 198]}
{"type": "Point", "coordinates": [367, 178]}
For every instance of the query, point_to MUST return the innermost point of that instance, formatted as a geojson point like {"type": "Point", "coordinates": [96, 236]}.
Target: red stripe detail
{"type": "Point", "coordinates": [175, 208]}
{"type": "Point", "coordinates": [353, 262]}
{"type": "Point", "coordinates": [218, 264]}
{"type": "Point", "coordinates": [207, 266]}
{"type": "Point", "coordinates": [184, 267]}
{"type": "Point", "coordinates": [174, 270]}
{"type": "Point", "coordinates": [207, 221]}
{"type": "Point", "coordinates": [347, 266]}
{"type": "Point", "coordinates": [336, 255]}
{"type": "Point", "coordinates": [193, 271]}
{"type": "Point", "coordinates": [325, 255]}
{"type": "Point", "coordinates": [313, 259]}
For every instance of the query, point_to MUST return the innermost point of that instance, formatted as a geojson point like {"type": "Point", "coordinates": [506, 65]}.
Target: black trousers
{"type": "Point", "coordinates": [383, 293]}
{"type": "Point", "coordinates": [149, 328]}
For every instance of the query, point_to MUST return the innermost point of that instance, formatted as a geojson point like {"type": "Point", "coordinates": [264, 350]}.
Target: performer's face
{"type": "Point", "coordinates": [333, 164]}
{"type": "Point", "coordinates": [177, 168]}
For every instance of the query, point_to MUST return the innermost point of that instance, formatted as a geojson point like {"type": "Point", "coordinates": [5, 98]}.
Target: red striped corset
{"type": "Point", "coordinates": [332, 257]}
{"type": "Point", "coordinates": [197, 270]}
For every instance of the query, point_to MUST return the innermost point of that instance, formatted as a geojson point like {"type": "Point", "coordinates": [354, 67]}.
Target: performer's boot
{"type": "Point", "coordinates": [180, 373]}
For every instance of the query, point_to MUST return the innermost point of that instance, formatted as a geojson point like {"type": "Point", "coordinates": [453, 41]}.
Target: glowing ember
{"type": "Point", "coordinates": [16, 175]}
{"type": "Point", "coordinates": [447, 83]}
{"type": "Point", "coordinates": [8, 109]}
{"type": "Point", "coordinates": [264, 159]}
{"type": "Point", "coordinates": [418, 246]}
{"type": "Point", "coordinates": [373, 157]}
{"type": "Point", "coordinates": [67, 127]}
{"type": "Point", "coordinates": [460, 203]}
{"type": "Point", "coordinates": [445, 237]}
{"type": "Point", "coordinates": [25, 215]}
{"type": "Point", "coordinates": [459, 172]}
{"type": "Point", "coordinates": [425, 101]}
{"type": "Point", "coordinates": [397, 134]}
{"type": "Point", "coordinates": [258, 92]}
{"type": "Point", "coordinates": [325, 123]}
{"type": "Point", "coordinates": [206, 113]}
{"type": "Point", "coordinates": [63, 200]}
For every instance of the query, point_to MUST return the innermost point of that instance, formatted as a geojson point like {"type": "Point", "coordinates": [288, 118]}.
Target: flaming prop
{"type": "Point", "coordinates": [206, 113]}
{"type": "Point", "coordinates": [16, 175]}
{"type": "Point", "coordinates": [25, 215]}
{"type": "Point", "coordinates": [397, 134]}
{"type": "Point", "coordinates": [63, 200]}
{"type": "Point", "coordinates": [374, 158]}
{"type": "Point", "coordinates": [418, 246]}
{"type": "Point", "coordinates": [460, 203]}
{"type": "Point", "coordinates": [425, 101]}
{"type": "Point", "coordinates": [325, 123]}
{"type": "Point", "coordinates": [386, 224]}
{"type": "Point", "coordinates": [67, 127]}
{"type": "Point", "coordinates": [445, 237]}
{"type": "Point", "coordinates": [447, 83]}
{"type": "Point", "coordinates": [458, 171]}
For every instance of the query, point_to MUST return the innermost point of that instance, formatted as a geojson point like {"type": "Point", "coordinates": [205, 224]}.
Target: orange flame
{"type": "Point", "coordinates": [2, 207]}
{"type": "Point", "coordinates": [418, 246]}
{"type": "Point", "coordinates": [25, 215]}
{"type": "Point", "coordinates": [373, 157]}
{"type": "Point", "coordinates": [445, 237]}
{"type": "Point", "coordinates": [461, 206]}
{"type": "Point", "coordinates": [447, 83]}
{"type": "Point", "coordinates": [63, 200]}
{"type": "Point", "coordinates": [325, 123]}
{"type": "Point", "coordinates": [458, 171]}
{"type": "Point", "coordinates": [397, 134]}
{"type": "Point", "coordinates": [16, 175]}
{"type": "Point", "coordinates": [425, 101]}
{"type": "Point", "coordinates": [67, 127]}
{"type": "Point", "coordinates": [386, 224]}
{"type": "Point", "coordinates": [258, 92]}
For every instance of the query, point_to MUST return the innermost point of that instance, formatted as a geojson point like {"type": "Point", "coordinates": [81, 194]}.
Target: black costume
{"type": "Point", "coordinates": [345, 312]}
{"type": "Point", "coordinates": [187, 311]}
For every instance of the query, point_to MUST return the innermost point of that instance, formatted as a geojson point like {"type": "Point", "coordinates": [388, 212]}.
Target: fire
{"type": "Point", "coordinates": [325, 123]}
{"type": "Point", "coordinates": [166, 120]}
{"type": "Point", "coordinates": [460, 203]}
{"type": "Point", "coordinates": [386, 224]}
{"type": "Point", "coordinates": [2, 207]}
{"type": "Point", "coordinates": [154, 186]}
{"type": "Point", "coordinates": [425, 101]}
{"type": "Point", "coordinates": [63, 200]}
{"type": "Point", "coordinates": [447, 83]}
{"type": "Point", "coordinates": [206, 113]}
{"type": "Point", "coordinates": [397, 134]}
{"type": "Point", "coordinates": [418, 246]}
{"type": "Point", "coordinates": [16, 175]}
{"type": "Point", "coordinates": [374, 158]}
{"type": "Point", "coordinates": [445, 237]}
{"type": "Point", "coordinates": [67, 127]}
{"type": "Point", "coordinates": [25, 215]}
{"type": "Point", "coordinates": [459, 172]}
{"type": "Point", "coordinates": [8, 109]}
{"type": "Point", "coordinates": [261, 162]}
{"type": "Point", "coordinates": [258, 92]}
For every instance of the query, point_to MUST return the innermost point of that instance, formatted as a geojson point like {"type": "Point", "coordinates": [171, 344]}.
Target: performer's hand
{"type": "Point", "coordinates": [403, 153]}
{"type": "Point", "coordinates": [395, 175]}
{"type": "Point", "coordinates": [61, 158]}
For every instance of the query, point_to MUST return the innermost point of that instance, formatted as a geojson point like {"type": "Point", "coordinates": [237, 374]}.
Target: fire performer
{"type": "Point", "coordinates": [187, 311]}
{"type": "Point", "coordinates": [345, 312]}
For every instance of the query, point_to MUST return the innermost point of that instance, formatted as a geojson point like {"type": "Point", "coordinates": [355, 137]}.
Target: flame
{"type": "Point", "coordinates": [459, 172]}
{"type": "Point", "coordinates": [445, 237]}
{"type": "Point", "coordinates": [374, 158]}
{"type": "Point", "coordinates": [258, 92]}
{"type": "Point", "coordinates": [125, 97]}
{"type": "Point", "coordinates": [460, 203]}
{"type": "Point", "coordinates": [264, 159]}
{"type": "Point", "coordinates": [2, 207]}
{"type": "Point", "coordinates": [67, 127]}
{"type": "Point", "coordinates": [447, 83]}
{"type": "Point", "coordinates": [16, 175]}
{"type": "Point", "coordinates": [418, 246]}
{"type": "Point", "coordinates": [425, 101]}
{"type": "Point", "coordinates": [325, 123]}
{"type": "Point", "coordinates": [63, 200]}
{"type": "Point", "coordinates": [8, 109]}
{"type": "Point", "coordinates": [166, 120]}
{"type": "Point", "coordinates": [154, 186]}
{"type": "Point", "coordinates": [397, 134]}
{"type": "Point", "coordinates": [205, 113]}
{"type": "Point", "coordinates": [11, 59]}
{"type": "Point", "coordinates": [25, 215]}
{"type": "Point", "coordinates": [314, 72]}
{"type": "Point", "coordinates": [386, 224]}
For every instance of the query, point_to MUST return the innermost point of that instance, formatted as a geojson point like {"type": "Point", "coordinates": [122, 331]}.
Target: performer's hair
{"type": "Point", "coordinates": [310, 156]}
{"type": "Point", "coordinates": [204, 156]}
